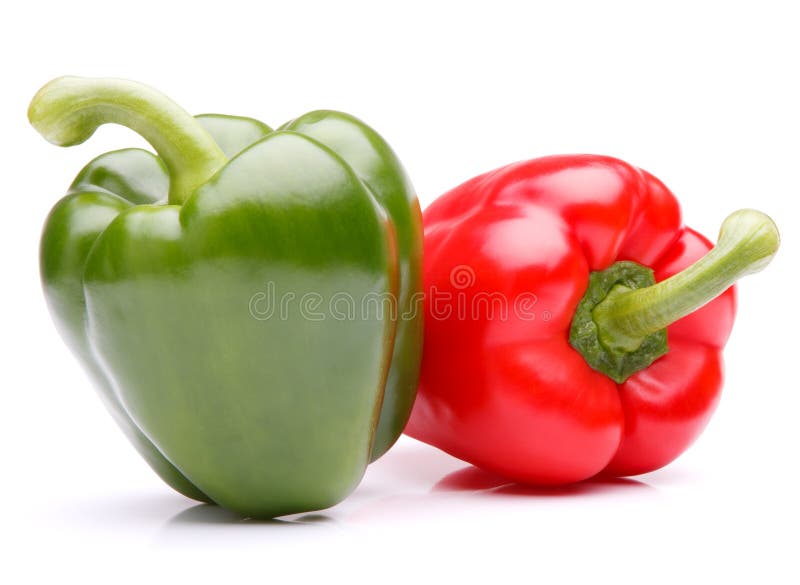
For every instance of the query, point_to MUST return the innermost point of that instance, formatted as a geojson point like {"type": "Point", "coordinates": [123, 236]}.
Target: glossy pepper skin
{"type": "Point", "coordinates": [508, 261]}
{"type": "Point", "coordinates": [179, 281]}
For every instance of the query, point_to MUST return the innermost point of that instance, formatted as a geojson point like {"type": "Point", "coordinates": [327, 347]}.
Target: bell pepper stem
{"type": "Point", "coordinates": [748, 240]}
{"type": "Point", "coordinates": [68, 110]}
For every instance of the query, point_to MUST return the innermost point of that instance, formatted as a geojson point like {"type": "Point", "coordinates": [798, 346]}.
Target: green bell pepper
{"type": "Point", "coordinates": [245, 301]}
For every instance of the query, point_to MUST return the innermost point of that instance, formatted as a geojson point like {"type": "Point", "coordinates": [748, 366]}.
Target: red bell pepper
{"type": "Point", "coordinates": [550, 353]}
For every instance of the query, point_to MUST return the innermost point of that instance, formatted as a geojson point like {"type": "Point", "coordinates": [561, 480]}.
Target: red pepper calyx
{"type": "Point", "coordinates": [620, 324]}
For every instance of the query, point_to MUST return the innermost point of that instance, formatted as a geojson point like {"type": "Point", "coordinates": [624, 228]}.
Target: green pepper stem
{"type": "Point", "coordinates": [68, 110]}
{"type": "Point", "coordinates": [747, 242]}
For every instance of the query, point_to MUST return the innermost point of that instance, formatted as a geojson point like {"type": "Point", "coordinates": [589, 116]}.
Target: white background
{"type": "Point", "coordinates": [704, 95]}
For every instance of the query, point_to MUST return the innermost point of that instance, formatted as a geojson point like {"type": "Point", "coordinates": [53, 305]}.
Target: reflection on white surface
{"type": "Point", "coordinates": [426, 511]}
{"type": "Point", "coordinates": [411, 482]}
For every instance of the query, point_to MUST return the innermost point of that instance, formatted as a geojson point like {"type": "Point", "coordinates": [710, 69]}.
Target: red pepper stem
{"type": "Point", "coordinates": [747, 242]}
{"type": "Point", "coordinates": [68, 110]}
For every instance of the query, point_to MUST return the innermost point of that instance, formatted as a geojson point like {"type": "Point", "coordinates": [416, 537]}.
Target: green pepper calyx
{"type": "Point", "coordinates": [68, 110]}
